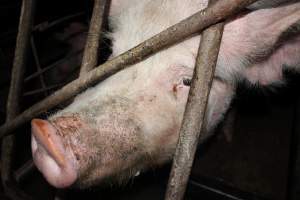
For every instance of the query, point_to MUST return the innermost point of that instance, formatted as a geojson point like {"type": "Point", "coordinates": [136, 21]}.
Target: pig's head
{"type": "Point", "coordinates": [131, 121]}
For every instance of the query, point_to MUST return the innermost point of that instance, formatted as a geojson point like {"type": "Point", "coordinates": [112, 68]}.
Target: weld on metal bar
{"type": "Point", "coordinates": [194, 112]}
{"type": "Point", "coordinates": [13, 101]}
{"type": "Point", "coordinates": [90, 55]}
{"type": "Point", "coordinates": [195, 23]}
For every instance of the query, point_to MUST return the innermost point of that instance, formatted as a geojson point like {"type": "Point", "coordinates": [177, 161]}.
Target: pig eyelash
{"type": "Point", "coordinates": [187, 81]}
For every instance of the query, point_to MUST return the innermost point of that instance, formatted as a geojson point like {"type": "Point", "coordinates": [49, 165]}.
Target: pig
{"type": "Point", "coordinates": [130, 122]}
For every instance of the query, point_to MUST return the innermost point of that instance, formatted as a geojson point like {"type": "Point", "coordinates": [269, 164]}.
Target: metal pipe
{"type": "Point", "coordinates": [195, 23]}
{"type": "Point", "coordinates": [15, 91]}
{"type": "Point", "coordinates": [90, 55]}
{"type": "Point", "coordinates": [194, 112]}
{"type": "Point", "coordinates": [194, 115]}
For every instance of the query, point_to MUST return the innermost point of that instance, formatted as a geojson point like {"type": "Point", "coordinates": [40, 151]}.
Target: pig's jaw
{"type": "Point", "coordinates": [55, 162]}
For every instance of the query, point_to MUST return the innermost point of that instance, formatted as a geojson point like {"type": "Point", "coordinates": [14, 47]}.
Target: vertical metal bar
{"type": "Point", "coordinates": [195, 111]}
{"type": "Point", "coordinates": [13, 101]}
{"type": "Point", "coordinates": [90, 55]}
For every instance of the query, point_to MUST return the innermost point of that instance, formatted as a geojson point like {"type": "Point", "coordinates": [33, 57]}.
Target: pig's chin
{"type": "Point", "coordinates": [52, 160]}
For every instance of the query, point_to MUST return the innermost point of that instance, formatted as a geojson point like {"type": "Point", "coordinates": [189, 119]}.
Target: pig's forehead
{"type": "Point", "coordinates": [179, 56]}
{"type": "Point", "coordinates": [142, 19]}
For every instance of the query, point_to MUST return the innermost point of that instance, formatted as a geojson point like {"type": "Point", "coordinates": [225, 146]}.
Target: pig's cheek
{"type": "Point", "coordinates": [158, 113]}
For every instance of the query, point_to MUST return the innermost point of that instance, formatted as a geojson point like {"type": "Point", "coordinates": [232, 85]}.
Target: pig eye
{"type": "Point", "coordinates": [187, 81]}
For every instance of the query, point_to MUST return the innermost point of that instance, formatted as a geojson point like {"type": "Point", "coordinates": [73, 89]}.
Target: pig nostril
{"type": "Point", "coordinates": [45, 135]}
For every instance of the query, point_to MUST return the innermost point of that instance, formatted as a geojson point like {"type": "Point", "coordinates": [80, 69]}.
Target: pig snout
{"type": "Point", "coordinates": [50, 155]}
{"type": "Point", "coordinates": [77, 150]}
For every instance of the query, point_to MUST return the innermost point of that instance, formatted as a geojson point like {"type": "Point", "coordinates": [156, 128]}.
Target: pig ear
{"type": "Point", "coordinates": [116, 6]}
{"type": "Point", "coordinates": [283, 22]}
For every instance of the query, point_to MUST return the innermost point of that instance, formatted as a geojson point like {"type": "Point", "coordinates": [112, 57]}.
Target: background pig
{"type": "Point", "coordinates": [131, 121]}
{"type": "Point", "coordinates": [74, 37]}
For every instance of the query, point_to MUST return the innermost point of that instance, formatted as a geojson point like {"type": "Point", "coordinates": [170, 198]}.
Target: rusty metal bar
{"type": "Point", "coordinates": [195, 23]}
{"type": "Point", "coordinates": [13, 101]}
{"type": "Point", "coordinates": [90, 55]}
{"type": "Point", "coordinates": [193, 121]}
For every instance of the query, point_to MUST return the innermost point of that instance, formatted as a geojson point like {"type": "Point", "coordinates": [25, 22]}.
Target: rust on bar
{"type": "Point", "coordinates": [90, 55]}
{"type": "Point", "coordinates": [15, 92]}
{"type": "Point", "coordinates": [193, 121]}
{"type": "Point", "coordinates": [195, 23]}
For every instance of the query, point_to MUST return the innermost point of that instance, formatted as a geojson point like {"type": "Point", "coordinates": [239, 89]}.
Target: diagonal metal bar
{"type": "Point", "coordinates": [38, 64]}
{"type": "Point", "coordinates": [13, 101]}
{"type": "Point", "coordinates": [90, 55]}
{"type": "Point", "coordinates": [193, 121]}
{"type": "Point", "coordinates": [195, 23]}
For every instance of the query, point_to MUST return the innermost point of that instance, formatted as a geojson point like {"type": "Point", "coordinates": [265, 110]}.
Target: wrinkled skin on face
{"type": "Point", "coordinates": [131, 121]}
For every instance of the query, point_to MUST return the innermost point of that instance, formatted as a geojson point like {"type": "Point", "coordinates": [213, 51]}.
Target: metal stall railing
{"type": "Point", "coordinates": [14, 97]}
{"type": "Point", "coordinates": [202, 79]}
{"type": "Point", "coordinates": [193, 120]}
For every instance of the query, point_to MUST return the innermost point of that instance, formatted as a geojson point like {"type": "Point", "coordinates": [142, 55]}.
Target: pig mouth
{"type": "Point", "coordinates": [56, 163]}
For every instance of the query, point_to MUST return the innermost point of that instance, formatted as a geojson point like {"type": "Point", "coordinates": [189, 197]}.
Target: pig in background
{"type": "Point", "coordinates": [73, 36]}
{"type": "Point", "coordinates": [130, 121]}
